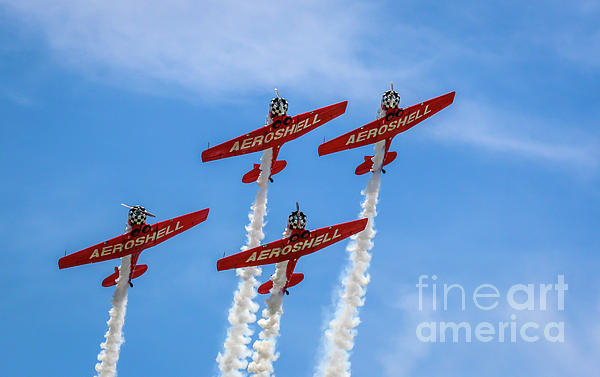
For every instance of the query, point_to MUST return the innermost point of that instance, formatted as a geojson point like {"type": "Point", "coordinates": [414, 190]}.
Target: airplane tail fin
{"type": "Point", "coordinates": [366, 166]}
{"type": "Point", "coordinates": [112, 279]}
{"type": "Point", "coordinates": [253, 174]}
{"type": "Point", "coordinates": [266, 287]}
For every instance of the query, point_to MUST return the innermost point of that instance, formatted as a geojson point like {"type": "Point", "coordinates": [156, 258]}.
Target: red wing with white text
{"type": "Point", "coordinates": [299, 243]}
{"type": "Point", "coordinates": [393, 120]}
{"type": "Point", "coordinates": [141, 236]}
{"type": "Point", "coordinates": [280, 129]}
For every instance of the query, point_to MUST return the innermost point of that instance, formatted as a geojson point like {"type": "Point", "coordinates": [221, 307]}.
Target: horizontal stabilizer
{"type": "Point", "coordinates": [139, 271]}
{"type": "Point", "coordinates": [112, 279]}
{"type": "Point", "coordinates": [278, 166]}
{"type": "Point", "coordinates": [266, 287]}
{"type": "Point", "coordinates": [366, 166]}
{"type": "Point", "coordinates": [252, 175]}
{"type": "Point", "coordinates": [295, 280]}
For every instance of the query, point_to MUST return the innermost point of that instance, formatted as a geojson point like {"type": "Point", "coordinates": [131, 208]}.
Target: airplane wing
{"type": "Point", "coordinates": [381, 129]}
{"type": "Point", "coordinates": [266, 137]}
{"type": "Point", "coordinates": [283, 249]}
{"type": "Point", "coordinates": [125, 244]}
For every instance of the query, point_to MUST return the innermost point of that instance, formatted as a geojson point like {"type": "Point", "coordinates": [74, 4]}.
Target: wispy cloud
{"type": "Point", "coordinates": [214, 46]}
{"type": "Point", "coordinates": [15, 97]}
{"type": "Point", "coordinates": [519, 135]}
{"type": "Point", "coordinates": [580, 353]}
{"type": "Point", "coordinates": [219, 49]}
{"type": "Point", "coordinates": [405, 352]}
{"type": "Point", "coordinates": [580, 46]}
{"type": "Point", "coordinates": [405, 355]}
{"type": "Point", "coordinates": [577, 37]}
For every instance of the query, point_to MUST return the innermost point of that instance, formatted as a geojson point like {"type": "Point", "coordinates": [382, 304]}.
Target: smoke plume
{"type": "Point", "coordinates": [341, 332]}
{"type": "Point", "coordinates": [108, 357]}
{"type": "Point", "coordinates": [243, 310]}
{"type": "Point", "coordinates": [264, 348]}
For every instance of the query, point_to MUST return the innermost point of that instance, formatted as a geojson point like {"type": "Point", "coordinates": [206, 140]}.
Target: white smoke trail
{"type": "Point", "coordinates": [341, 332]}
{"type": "Point", "coordinates": [264, 348]}
{"type": "Point", "coordinates": [243, 309]}
{"type": "Point", "coordinates": [108, 357]}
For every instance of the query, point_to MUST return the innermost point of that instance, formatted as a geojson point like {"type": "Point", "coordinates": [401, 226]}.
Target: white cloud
{"type": "Point", "coordinates": [520, 135]}
{"type": "Point", "coordinates": [215, 47]}
{"type": "Point", "coordinates": [15, 97]}
{"type": "Point", "coordinates": [578, 355]}
{"type": "Point", "coordinates": [404, 353]}
{"type": "Point", "coordinates": [580, 46]}
{"type": "Point", "coordinates": [219, 49]}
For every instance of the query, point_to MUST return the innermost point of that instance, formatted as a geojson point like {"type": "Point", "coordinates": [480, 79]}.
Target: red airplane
{"type": "Point", "coordinates": [300, 242]}
{"type": "Point", "coordinates": [280, 129]}
{"type": "Point", "coordinates": [140, 236]}
{"type": "Point", "coordinates": [392, 121]}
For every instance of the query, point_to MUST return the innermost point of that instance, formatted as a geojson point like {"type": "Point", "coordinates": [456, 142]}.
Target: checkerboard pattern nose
{"type": "Point", "coordinates": [137, 215]}
{"type": "Point", "coordinates": [390, 99]}
{"type": "Point", "coordinates": [297, 220]}
{"type": "Point", "coordinates": [278, 106]}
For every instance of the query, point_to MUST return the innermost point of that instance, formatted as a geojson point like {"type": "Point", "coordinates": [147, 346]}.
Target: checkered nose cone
{"type": "Point", "coordinates": [297, 220]}
{"type": "Point", "coordinates": [390, 99]}
{"type": "Point", "coordinates": [278, 106]}
{"type": "Point", "coordinates": [137, 215]}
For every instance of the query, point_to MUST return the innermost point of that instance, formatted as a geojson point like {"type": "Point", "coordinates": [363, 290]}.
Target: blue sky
{"type": "Point", "coordinates": [106, 102]}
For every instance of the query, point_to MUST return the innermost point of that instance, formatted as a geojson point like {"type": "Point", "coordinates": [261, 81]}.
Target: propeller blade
{"type": "Point", "coordinates": [145, 212]}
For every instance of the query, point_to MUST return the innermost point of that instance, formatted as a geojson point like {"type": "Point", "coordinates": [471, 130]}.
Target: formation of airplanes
{"type": "Point", "coordinates": [279, 129]}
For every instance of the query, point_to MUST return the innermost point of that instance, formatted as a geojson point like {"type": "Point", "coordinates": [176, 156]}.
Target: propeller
{"type": "Point", "coordinates": [392, 85]}
{"type": "Point", "coordinates": [277, 93]}
{"type": "Point", "coordinates": [146, 212]}
{"type": "Point", "coordinates": [298, 218]}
